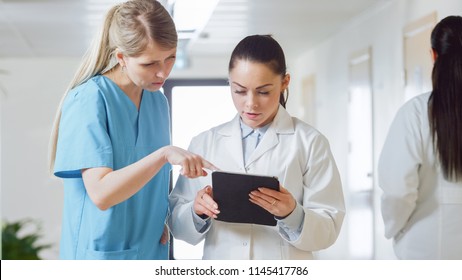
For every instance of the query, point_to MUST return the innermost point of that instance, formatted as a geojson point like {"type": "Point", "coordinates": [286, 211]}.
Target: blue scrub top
{"type": "Point", "coordinates": [101, 127]}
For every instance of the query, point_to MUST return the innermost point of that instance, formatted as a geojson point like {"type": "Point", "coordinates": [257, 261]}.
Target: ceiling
{"type": "Point", "coordinates": [41, 28]}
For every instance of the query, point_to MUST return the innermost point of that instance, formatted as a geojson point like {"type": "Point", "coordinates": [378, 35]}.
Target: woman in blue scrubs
{"type": "Point", "coordinates": [111, 140]}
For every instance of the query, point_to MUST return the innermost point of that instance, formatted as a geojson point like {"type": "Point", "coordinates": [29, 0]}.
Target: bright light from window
{"type": "Point", "coordinates": [196, 109]}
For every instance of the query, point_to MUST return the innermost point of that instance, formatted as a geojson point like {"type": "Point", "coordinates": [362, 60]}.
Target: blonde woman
{"type": "Point", "coordinates": [111, 140]}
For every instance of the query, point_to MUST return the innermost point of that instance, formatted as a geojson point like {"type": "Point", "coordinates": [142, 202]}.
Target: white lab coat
{"type": "Point", "coordinates": [294, 152]}
{"type": "Point", "coordinates": [421, 210]}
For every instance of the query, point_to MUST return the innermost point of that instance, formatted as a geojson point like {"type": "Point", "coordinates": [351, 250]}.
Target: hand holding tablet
{"type": "Point", "coordinates": [231, 193]}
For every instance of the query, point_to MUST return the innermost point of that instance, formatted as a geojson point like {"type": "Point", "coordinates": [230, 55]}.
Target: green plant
{"type": "Point", "coordinates": [19, 245]}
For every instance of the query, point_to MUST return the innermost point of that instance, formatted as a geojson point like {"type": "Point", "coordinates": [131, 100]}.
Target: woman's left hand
{"type": "Point", "coordinates": [279, 203]}
{"type": "Point", "coordinates": [165, 236]}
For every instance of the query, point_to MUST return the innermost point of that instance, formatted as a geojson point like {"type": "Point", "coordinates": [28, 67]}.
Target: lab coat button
{"type": "Point", "coordinates": [244, 244]}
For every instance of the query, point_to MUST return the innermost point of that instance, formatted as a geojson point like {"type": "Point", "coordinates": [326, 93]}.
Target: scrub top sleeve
{"type": "Point", "coordinates": [83, 139]}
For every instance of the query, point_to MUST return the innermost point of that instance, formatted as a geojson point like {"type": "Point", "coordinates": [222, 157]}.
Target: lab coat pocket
{"type": "Point", "coordinates": [130, 254]}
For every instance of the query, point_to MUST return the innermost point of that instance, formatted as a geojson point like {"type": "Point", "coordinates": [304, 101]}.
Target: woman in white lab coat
{"type": "Point", "coordinates": [309, 208]}
{"type": "Point", "coordinates": [420, 167]}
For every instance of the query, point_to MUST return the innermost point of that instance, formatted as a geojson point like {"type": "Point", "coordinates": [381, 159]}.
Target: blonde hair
{"type": "Point", "coordinates": [128, 27]}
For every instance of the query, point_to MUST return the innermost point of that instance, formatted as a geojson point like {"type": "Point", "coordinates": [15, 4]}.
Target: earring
{"type": "Point", "coordinates": [123, 69]}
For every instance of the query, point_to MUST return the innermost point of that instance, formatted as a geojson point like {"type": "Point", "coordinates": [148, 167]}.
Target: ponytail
{"type": "Point", "coordinates": [98, 59]}
{"type": "Point", "coordinates": [445, 103]}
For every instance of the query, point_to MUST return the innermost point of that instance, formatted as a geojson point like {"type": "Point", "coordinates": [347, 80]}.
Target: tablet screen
{"type": "Point", "coordinates": [231, 192]}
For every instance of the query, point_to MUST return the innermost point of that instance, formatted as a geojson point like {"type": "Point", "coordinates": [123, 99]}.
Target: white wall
{"type": "Point", "coordinates": [203, 68]}
{"type": "Point", "coordinates": [34, 87]}
{"type": "Point", "coordinates": [32, 90]}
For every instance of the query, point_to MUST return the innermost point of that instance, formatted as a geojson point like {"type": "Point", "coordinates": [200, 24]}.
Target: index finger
{"type": "Point", "coordinates": [209, 166]}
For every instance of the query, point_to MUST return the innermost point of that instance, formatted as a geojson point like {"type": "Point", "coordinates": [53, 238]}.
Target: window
{"type": "Point", "coordinates": [196, 106]}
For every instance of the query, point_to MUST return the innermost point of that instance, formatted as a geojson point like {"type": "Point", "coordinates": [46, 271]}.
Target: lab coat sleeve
{"type": "Point", "coordinates": [323, 202]}
{"type": "Point", "coordinates": [398, 167]}
{"type": "Point", "coordinates": [291, 226]}
{"type": "Point", "coordinates": [181, 222]}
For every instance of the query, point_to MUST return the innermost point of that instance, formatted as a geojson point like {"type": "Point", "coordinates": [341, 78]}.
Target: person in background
{"type": "Point", "coordinates": [111, 140]}
{"type": "Point", "coordinates": [420, 166]}
{"type": "Point", "coordinates": [262, 139]}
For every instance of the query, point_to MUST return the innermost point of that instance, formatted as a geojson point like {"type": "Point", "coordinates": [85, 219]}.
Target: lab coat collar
{"type": "Point", "coordinates": [282, 124]}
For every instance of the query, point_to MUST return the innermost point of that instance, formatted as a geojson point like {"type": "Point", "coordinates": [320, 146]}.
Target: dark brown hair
{"type": "Point", "coordinates": [445, 103]}
{"type": "Point", "coordinates": [262, 49]}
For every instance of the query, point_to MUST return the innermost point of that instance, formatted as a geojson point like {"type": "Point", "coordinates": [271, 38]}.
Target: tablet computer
{"type": "Point", "coordinates": [231, 192]}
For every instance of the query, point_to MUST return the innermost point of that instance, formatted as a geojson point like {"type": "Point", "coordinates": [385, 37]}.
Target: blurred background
{"type": "Point", "coordinates": [352, 63]}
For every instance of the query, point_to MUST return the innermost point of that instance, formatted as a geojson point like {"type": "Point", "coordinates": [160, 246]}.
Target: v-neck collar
{"type": "Point", "coordinates": [134, 112]}
{"type": "Point", "coordinates": [119, 91]}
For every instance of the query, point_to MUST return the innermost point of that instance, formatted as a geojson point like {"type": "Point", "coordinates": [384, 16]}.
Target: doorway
{"type": "Point", "coordinates": [417, 56]}
{"type": "Point", "coordinates": [360, 178]}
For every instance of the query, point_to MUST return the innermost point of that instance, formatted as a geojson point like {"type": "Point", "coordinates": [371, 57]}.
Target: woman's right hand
{"type": "Point", "coordinates": [204, 203]}
{"type": "Point", "coordinates": [192, 165]}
